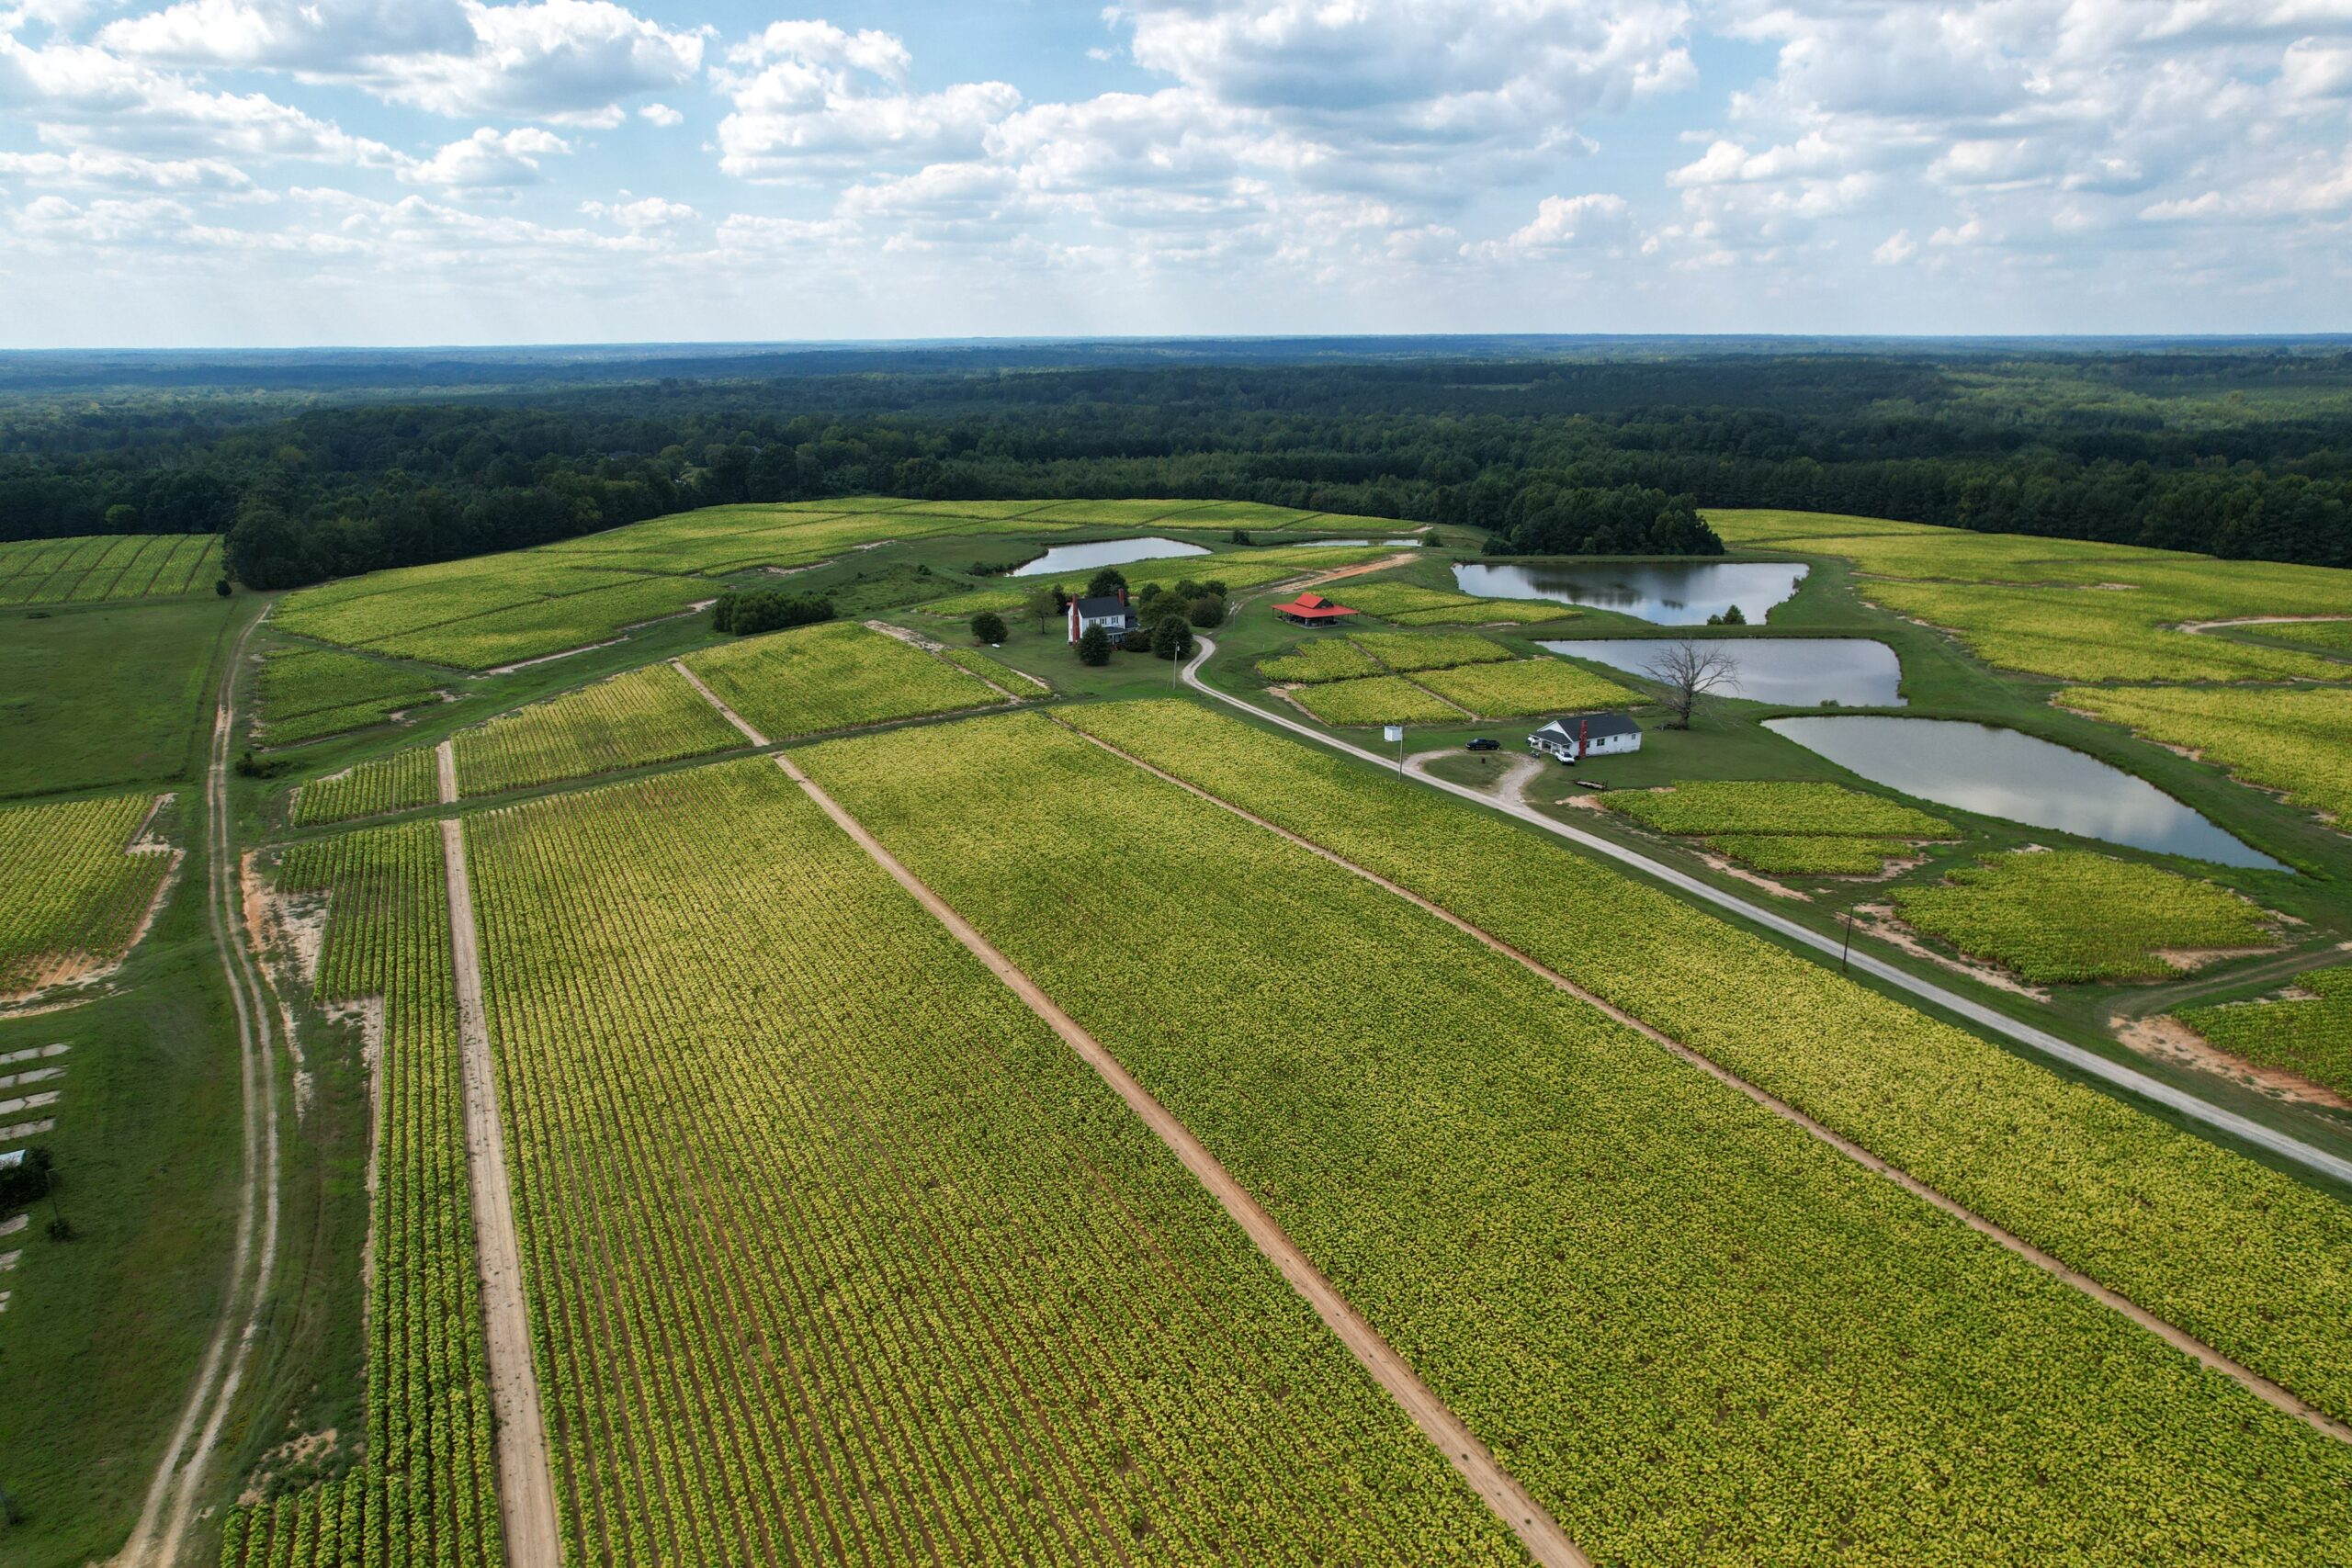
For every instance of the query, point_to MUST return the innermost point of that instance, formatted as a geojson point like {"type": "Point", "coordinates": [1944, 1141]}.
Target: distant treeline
{"type": "Point", "coordinates": [2237, 452]}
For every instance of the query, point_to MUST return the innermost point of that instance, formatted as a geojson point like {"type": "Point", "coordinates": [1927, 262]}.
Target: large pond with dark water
{"type": "Point", "coordinates": [1790, 671]}
{"type": "Point", "coordinates": [1672, 593]}
{"type": "Point", "coordinates": [2018, 778]}
{"type": "Point", "coordinates": [1105, 552]}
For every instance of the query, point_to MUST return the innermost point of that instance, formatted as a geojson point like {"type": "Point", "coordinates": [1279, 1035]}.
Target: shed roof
{"type": "Point", "coordinates": [1313, 606]}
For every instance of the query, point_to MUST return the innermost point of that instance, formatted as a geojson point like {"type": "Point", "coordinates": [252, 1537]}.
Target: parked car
{"type": "Point", "coordinates": [1485, 743]}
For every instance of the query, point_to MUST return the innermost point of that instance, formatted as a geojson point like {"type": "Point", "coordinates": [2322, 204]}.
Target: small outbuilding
{"type": "Point", "coordinates": [1582, 735]}
{"type": "Point", "coordinates": [1314, 610]}
{"type": "Point", "coordinates": [1111, 612]}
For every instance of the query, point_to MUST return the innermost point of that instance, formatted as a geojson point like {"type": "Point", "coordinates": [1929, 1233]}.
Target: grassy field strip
{"type": "Point", "coordinates": [1504, 1182]}
{"type": "Point", "coordinates": [813, 1286]}
{"type": "Point", "coordinates": [1536, 1529]}
{"type": "Point", "coordinates": [164, 1512]}
{"type": "Point", "coordinates": [526, 1482]}
{"type": "Point", "coordinates": [444, 772]}
{"type": "Point", "coordinates": [2171, 1334]}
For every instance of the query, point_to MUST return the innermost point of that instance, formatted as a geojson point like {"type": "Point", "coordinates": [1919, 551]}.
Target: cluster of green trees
{"type": "Point", "coordinates": [2242, 452]}
{"type": "Point", "coordinates": [767, 610]}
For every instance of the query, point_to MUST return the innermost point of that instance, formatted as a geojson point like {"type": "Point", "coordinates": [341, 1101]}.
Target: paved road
{"type": "Point", "coordinates": [2087, 1062]}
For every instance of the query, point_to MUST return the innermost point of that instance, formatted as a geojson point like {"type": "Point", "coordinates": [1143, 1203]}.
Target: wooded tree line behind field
{"type": "Point", "coordinates": [2241, 453]}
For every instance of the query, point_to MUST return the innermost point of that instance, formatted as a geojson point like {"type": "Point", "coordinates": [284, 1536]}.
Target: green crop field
{"type": "Point", "coordinates": [425, 1490]}
{"type": "Point", "coordinates": [396, 783]}
{"type": "Point", "coordinates": [1015, 682]}
{"type": "Point", "coordinates": [944, 1250]}
{"type": "Point", "coordinates": [303, 694]}
{"type": "Point", "coordinates": [1784, 828]}
{"type": "Point", "coordinates": [1411, 604]}
{"type": "Point", "coordinates": [2310, 1035]}
{"type": "Point", "coordinates": [1406, 651]}
{"type": "Point", "coordinates": [2246, 1257]}
{"type": "Point", "coordinates": [832, 677]}
{"type": "Point", "coordinates": [106, 567]}
{"type": "Point", "coordinates": [2069, 915]}
{"type": "Point", "coordinates": [1320, 659]}
{"type": "Point", "coordinates": [1578, 1238]}
{"type": "Point", "coordinates": [1374, 699]}
{"type": "Point", "coordinates": [77, 888]}
{"type": "Point", "coordinates": [2064, 608]}
{"type": "Point", "coordinates": [2297, 740]}
{"type": "Point", "coordinates": [1526, 687]}
{"type": "Point", "coordinates": [645, 715]}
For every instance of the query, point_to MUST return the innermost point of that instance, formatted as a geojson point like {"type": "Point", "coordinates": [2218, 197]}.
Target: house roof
{"type": "Point", "coordinates": [1104, 608]}
{"type": "Point", "coordinates": [1593, 725]}
{"type": "Point", "coordinates": [1313, 606]}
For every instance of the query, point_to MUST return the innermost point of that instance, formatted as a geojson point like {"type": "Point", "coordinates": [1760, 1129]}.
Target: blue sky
{"type": "Point", "coordinates": [285, 172]}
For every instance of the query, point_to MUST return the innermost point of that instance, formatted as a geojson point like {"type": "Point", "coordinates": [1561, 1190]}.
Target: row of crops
{"type": "Point", "coordinates": [93, 568]}
{"type": "Point", "coordinates": [1320, 659]}
{"type": "Point", "coordinates": [2069, 609]}
{"type": "Point", "coordinates": [2294, 739]}
{"type": "Point", "coordinates": [650, 715]}
{"type": "Point", "coordinates": [836, 1254]}
{"type": "Point", "coordinates": [2249, 1260]}
{"type": "Point", "coordinates": [400, 782]}
{"type": "Point", "coordinates": [2309, 1033]}
{"type": "Point", "coordinates": [73, 886]}
{"type": "Point", "coordinates": [1519, 688]}
{"type": "Point", "coordinates": [306, 692]}
{"type": "Point", "coordinates": [2064, 916]}
{"type": "Point", "coordinates": [425, 1489]}
{"type": "Point", "coordinates": [833, 676]}
{"type": "Point", "coordinates": [1785, 826]}
{"type": "Point", "coordinates": [1694, 1332]}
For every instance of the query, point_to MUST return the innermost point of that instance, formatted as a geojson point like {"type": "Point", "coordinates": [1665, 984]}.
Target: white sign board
{"type": "Point", "coordinates": [1392, 732]}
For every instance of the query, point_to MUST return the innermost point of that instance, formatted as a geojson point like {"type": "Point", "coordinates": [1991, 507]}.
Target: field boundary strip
{"type": "Point", "coordinates": [2089, 1062]}
{"type": "Point", "coordinates": [525, 1475]}
{"type": "Point", "coordinates": [2273, 1393]}
{"type": "Point", "coordinates": [1511, 1503]}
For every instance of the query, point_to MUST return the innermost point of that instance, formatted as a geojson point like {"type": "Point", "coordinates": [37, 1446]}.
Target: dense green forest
{"type": "Point", "coordinates": [324, 468]}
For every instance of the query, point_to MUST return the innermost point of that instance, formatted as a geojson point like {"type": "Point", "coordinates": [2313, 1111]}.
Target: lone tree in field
{"type": "Point", "coordinates": [989, 626]}
{"type": "Point", "coordinates": [1094, 645]}
{"type": "Point", "coordinates": [1046, 605]}
{"type": "Point", "coordinates": [1689, 671]}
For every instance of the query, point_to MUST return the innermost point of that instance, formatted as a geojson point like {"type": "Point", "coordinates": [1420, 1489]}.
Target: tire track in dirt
{"type": "Point", "coordinates": [161, 1532]}
{"type": "Point", "coordinates": [525, 1475]}
{"type": "Point", "coordinates": [1545, 1541]}
{"type": "Point", "coordinates": [2272, 1394]}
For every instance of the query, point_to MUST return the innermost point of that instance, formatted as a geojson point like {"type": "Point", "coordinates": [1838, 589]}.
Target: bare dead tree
{"type": "Point", "coordinates": [1690, 670]}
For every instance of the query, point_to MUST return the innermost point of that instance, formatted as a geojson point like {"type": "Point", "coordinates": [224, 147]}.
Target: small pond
{"type": "Point", "coordinates": [1792, 671]}
{"type": "Point", "coordinates": [2018, 778]}
{"type": "Point", "coordinates": [1105, 552]}
{"type": "Point", "coordinates": [1672, 593]}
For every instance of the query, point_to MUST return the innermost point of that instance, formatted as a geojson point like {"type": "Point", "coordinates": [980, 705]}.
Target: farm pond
{"type": "Point", "coordinates": [2018, 778]}
{"type": "Point", "coordinates": [1793, 671]}
{"type": "Point", "coordinates": [1672, 593]}
{"type": "Point", "coordinates": [1105, 552]}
